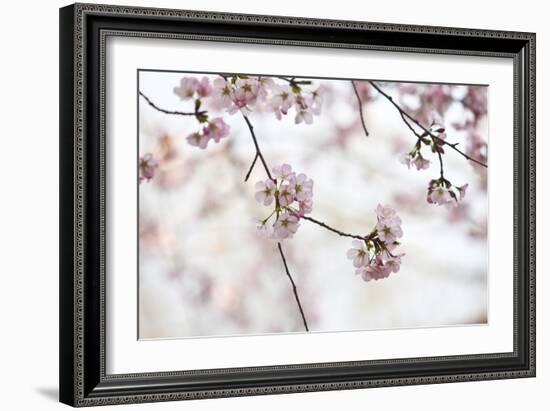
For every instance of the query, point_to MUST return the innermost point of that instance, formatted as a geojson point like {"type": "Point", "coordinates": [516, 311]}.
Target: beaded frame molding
{"type": "Point", "coordinates": [83, 32]}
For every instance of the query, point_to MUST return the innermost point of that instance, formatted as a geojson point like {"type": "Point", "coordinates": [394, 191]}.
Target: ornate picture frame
{"type": "Point", "coordinates": [84, 31]}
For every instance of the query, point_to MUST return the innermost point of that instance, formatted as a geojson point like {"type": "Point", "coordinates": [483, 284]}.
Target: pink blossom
{"type": "Point", "coordinates": [293, 194]}
{"type": "Point", "coordinates": [221, 93]}
{"type": "Point", "coordinates": [421, 163]}
{"type": "Point", "coordinates": [265, 192]}
{"type": "Point", "coordinates": [373, 257]}
{"type": "Point", "coordinates": [187, 88]}
{"type": "Point", "coordinates": [216, 129]}
{"type": "Point", "coordinates": [281, 100]}
{"type": "Point", "coordinates": [394, 263]}
{"type": "Point", "coordinates": [264, 85]}
{"type": "Point", "coordinates": [389, 230]}
{"type": "Point", "coordinates": [244, 95]}
{"type": "Point", "coordinates": [377, 270]}
{"type": "Point", "coordinates": [385, 212]}
{"type": "Point", "coordinates": [462, 191]}
{"type": "Point", "coordinates": [305, 206]}
{"type": "Point", "coordinates": [204, 89]}
{"type": "Point", "coordinates": [286, 195]}
{"type": "Point", "coordinates": [317, 100]}
{"type": "Point", "coordinates": [303, 110]}
{"type": "Point", "coordinates": [249, 86]}
{"type": "Point", "coordinates": [359, 254]}
{"type": "Point", "coordinates": [198, 140]}
{"type": "Point", "coordinates": [282, 172]}
{"type": "Point", "coordinates": [241, 100]}
{"type": "Point", "coordinates": [147, 167]}
{"type": "Point", "coordinates": [439, 196]}
{"type": "Point", "coordinates": [302, 186]}
{"type": "Point", "coordinates": [285, 226]}
{"type": "Point", "coordinates": [264, 229]}
{"type": "Point", "coordinates": [415, 159]}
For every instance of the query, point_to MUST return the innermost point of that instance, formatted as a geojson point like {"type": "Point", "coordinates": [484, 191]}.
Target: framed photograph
{"type": "Point", "coordinates": [261, 204]}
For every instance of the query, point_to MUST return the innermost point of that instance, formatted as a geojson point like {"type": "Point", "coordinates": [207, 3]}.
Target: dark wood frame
{"type": "Point", "coordinates": [83, 29]}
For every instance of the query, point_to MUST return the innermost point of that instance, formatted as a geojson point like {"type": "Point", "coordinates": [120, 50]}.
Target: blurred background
{"type": "Point", "coordinates": [205, 271]}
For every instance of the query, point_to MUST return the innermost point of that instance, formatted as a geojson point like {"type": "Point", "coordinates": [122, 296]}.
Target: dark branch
{"type": "Point", "coordinates": [251, 167]}
{"type": "Point", "coordinates": [258, 152]}
{"type": "Point", "coordinates": [439, 157]}
{"type": "Point", "coordinates": [261, 157]}
{"type": "Point", "coordinates": [293, 286]}
{"type": "Point", "coordinates": [360, 108]}
{"type": "Point", "coordinates": [293, 82]}
{"type": "Point", "coordinates": [173, 112]}
{"type": "Point", "coordinates": [434, 138]}
{"type": "Point", "coordinates": [334, 230]}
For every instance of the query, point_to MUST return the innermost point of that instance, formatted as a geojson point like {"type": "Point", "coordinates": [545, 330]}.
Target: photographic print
{"type": "Point", "coordinates": [287, 204]}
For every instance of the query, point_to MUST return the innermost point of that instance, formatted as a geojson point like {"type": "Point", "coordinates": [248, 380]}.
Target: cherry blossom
{"type": "Point", "coordinates": [221, 93]}
{"type": "Point", "coordinates": [442, 191]}
{"type": "Point", "coordinates": [462, 191]}
{"type": "Point", "coordinates": [373, 256]}
{"type": "Point", "coordinates": [385, 212]}
{"type": "Point", "coordinates": [285, 226]}
{"type": "Point", "coordinates": [301, 186]}
{"type": "Point", "coordinates": [359, 254]}
{"type": "Point", "coordinates": [389, 230]}
{"type": "Point", "coordinates": [305, 206]}
{"type": "Point", "coordinates": [203, 88]}
{"type": "Point", "coordinates": [265, 192]}
{"type": "Point", "coordinates": [286, 195]}
{"type": "Point", "coordinates": [282, 172]}
{"type": "Point", "coordinates": [304, 112]}
{"type": "Point", "coordinates": [293, 198]}
{"type": "Point", "coordinates": [216, 129]}
{"type": "Point", "coordinates": [282, 100]}
{"type": "Point", "coordinates": [187, 88]}
{"type": "Point", "coordinates": [147, 167]}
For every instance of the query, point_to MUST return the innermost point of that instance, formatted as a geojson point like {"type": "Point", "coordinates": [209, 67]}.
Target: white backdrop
{"type": "Point", "coordinates": [29, 224]}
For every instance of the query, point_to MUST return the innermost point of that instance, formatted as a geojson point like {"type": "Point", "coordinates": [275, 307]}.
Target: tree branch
{"type": "Point", "coordinates": [258, 151]}
{"type": "Point", "coordinates": [251, 167]}
{"type": "Point", "coordinates": [334, 230]}
{"type": "Point", "coordinates": [293, 286]}
{"type": "Point", "coordinates": [173, 112]}
{"type": "Point", "coordinates": [360, 108]}
{"type": "Point", "coordinates": [427, 132]}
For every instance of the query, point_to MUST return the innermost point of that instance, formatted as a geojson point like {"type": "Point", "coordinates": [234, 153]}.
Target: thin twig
{"type": "Point", "coordinates": [293, 286]}
{"type": "Point", "coordinates": [251, 168]}
{"type": "Point", "coordinates": [360, 108]}
{"type": "Point", "coordinates": [293, 82]}
{"type": "Point", "coordinates": [258, 152]}
{"type": "Point", "coordinates": [334, 230]}
{"type": "Point", "coordinates": [173, 112]}
{"type": "Point", "coordinates": [428, 132]}
{"type": "Point", "coordinates": [437, 149]}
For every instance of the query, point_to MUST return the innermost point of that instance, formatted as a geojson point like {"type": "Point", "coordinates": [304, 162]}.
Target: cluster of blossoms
{"type": "Point", "coordinates": [441, 191]}
{"type": "Point", "coordinates": [291, 195]}
{"type": "Point", "coordinates": [147, 167]}
{"type": "Point", "coordinates": [246, 94]}
{"type": "Point", "coordinates": [415, 157]}
{"type": "Point", "coordinates": [427, 99]}
{"type": "Point", "coordinates": [191, 88]}
{"type": "Point", "coordinates": [373, 256]}
{"type": "Point", "coordinates": [256, 93]}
